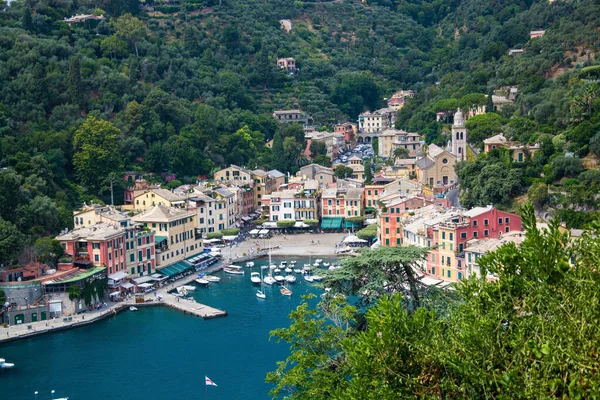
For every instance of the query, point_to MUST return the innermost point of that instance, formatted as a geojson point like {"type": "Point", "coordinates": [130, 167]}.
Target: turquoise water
{"type": "Point", "coordinates": [161, 353]}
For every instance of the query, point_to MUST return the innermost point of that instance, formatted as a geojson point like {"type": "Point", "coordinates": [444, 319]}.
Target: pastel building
{"type": "Point", "coordinates": [101, 245]}
{"type": "Point", "coordinates": [176, 233]}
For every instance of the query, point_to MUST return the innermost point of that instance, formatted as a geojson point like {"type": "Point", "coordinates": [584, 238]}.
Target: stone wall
{"type": "Point", "coordinates": [17, 292]}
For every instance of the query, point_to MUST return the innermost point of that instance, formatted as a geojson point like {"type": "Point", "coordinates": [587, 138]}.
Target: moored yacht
{"type": "Point", "coordinates": [234, 270]}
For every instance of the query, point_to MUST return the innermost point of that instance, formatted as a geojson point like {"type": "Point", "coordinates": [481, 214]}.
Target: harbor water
{"type": "Point", "coordinates": [161, 353]}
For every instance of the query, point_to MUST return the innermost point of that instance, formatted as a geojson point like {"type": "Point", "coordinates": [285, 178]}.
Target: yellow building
{"type": "Point", "coordinates": [233, 174]}
{"type": "Point", "coordinates": [447, 252]}
{"type": "Point", "coordinates": [159, 197]}
{"type": "Point", "coordinates": [176, 235]}
{"type": "Point", "coordinates": [436, 168]}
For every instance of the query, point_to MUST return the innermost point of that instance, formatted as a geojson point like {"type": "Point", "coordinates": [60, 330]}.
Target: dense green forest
{"type": "Point", "coordinates": [190, 86]}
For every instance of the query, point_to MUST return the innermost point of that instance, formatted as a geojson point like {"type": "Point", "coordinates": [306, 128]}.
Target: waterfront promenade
{"type": "Point", "coordinates": [304, 244]}
{"type": "Point", "coordinates": [22, 331]}
{"type": "Point", "coordinates": [282, 245]}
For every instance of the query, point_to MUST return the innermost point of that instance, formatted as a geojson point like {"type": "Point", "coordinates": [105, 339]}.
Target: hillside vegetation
{"type": "Point", "coordinates": [189, 87]}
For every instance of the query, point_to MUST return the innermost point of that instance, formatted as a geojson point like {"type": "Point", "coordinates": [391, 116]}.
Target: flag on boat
{"type": "Point", "coordinates": [209, 382]}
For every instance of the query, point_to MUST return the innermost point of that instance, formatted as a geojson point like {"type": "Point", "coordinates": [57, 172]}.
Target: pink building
{"type": "Point", "coordinates": [288, 64]}
{"type": "Point", "coordinates": [102, 245]}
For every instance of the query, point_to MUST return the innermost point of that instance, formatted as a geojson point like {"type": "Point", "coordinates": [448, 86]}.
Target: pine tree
{"type": "Point", "coordinates": [74, 85]}
{"type": "Point", "coordinates": [27, 20]}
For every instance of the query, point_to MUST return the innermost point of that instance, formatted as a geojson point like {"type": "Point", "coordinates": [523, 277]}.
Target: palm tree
{"type": "Point", "coordinates": [400, 153]}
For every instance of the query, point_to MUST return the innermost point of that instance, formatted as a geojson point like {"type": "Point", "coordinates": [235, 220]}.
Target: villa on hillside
{"type": "Point", "coordinates": [519, 152]}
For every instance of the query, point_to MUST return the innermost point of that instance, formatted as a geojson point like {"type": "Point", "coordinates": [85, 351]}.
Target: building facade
{"type": "Point", "coordinates": [176, 233]}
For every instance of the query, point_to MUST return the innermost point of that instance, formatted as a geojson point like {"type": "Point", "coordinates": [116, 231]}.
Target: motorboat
{"type": "Point", "coordinates": [317, 278]}
{"type": "Point", "coordinates": [290, 278]}
{"type": "Point", "coordinates": [132, 308]}
{"type": "Point", "coordinates": [297, 270]}
{"type": "Point", "coordinates": [264, 267]}
{"type": "Point", "coordinates": [5, 365]}
{"type": "Point", "coordinates": [318, 261]}
{"type": "Point", "coordinates": [277, 270]}
{"type": "Point", "coordinates": [269, 280]}
{"type": "Point", "coordinates": [317, 264]}
{"type": "Point", "coordinates": [326, 264]}
{"type": "Point", "coordinates": [234, 270]}
{"type": "Point", "coordinates": [283, 262]}
{"type": "Point", "coordinates": [189, 288]}
{"type": "Point", "coordinates": [285, 291]}
{"type": "Point", "coordinates": [250, 264]}
{"type": "Point", "coordinates": [272, 266]}
{"type": "Point", "coordinates": [260, 294]}
{"type": "Point", "coordinates": [202, 281]}
{"type": "Point", "coordinates": [279, 278]}
{"type": "Point", "coordinates": [293, 262]}
{"type": "Point", "coordinates": [288, 270]}
{"type": "Point", "coordinates": [255, 278]}
{"type": "Point", "coordinates": [306, 265]}
{"type": "Point", "coordinates": [308, 278]}
{"type": "Point", "coordinates": [213, 279]}
{"type": "Point", "coordinates": [181, 290]}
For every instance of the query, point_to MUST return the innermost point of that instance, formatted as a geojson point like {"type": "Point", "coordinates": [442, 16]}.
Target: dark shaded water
{"type": "Point", "coordinates": [160, 353]}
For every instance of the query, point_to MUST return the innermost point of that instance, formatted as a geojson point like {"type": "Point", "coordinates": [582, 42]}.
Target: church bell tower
{"type": "Point", "coordinates": [459, 137]}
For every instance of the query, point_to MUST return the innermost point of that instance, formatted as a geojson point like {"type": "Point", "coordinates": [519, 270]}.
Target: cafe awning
{"type": "Point", "coordinates": [127, 285]}
{"type": "Point", "coordinates": [117, 276]}
{"type": "Point", "coordinates": [145, 285]}
{"type": "Point", "coordinates": [331, 223]}
{"type": "Point", "coordinates": [114, 294]}
{"type": "Point", "coordinates": [158, 239]}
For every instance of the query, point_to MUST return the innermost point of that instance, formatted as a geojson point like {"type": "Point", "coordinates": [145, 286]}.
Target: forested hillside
{"type": "Point", "coordinates": [188, 87]}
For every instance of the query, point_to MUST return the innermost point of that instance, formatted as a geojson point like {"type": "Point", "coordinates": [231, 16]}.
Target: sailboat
{"type": "Point", "coordinates": [269, 280]}
{"type": "Point", "coordinates": [260, 293]}
{"type": "Point", "coordinates": [285, 291]}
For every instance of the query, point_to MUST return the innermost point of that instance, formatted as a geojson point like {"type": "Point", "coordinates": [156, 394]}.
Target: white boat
{"type": "Point", "coordinates": [288, 270]}
{"type": "Point", "coordinates": [317, 264]}
{"type": "Point", "coordinates": [279, 278]}
{"type": "Point", "coordinates": [269, 280]}
{"type": "Point", "coordinates": [306, 265]}
{"type": "Point", "coordinates": [308, 278]}
{"type": "Point", "coordinates": [326, 264]}
{"type": "Point", "coordinates": [285, 291]}
{"type": "Point", "coordinates": [277, 270]}
{"type": "Point", "coordinates": [297, 270]}
{"type": "Point", "coordinates": [5, 365]}
{"type": "Point", "coordinates": [318, 261]}
{"type": "Point", "coordinates": [181, 290]}
{"type": "Point", "coordinates": [214, 279]}
{"type": "Point", "coordinates": [332, 268]}
{"type": "Point", "coordinates": [264, 267]}
{"type": "Point", "coordinates": [290, 278]}
{"type": "Point", "coordinates": [293, 262]}
{"type": "Point", "coordinates": [234, 270]}
{"type": "Point", "coordinates": [261, 293]}
{"type": "Point", "coordinates": [250, 264]}
{"type": "Point", "coordinates": [132, 308]}
{"type": "Point", "coordinates": [255, 278]}
{"type": "Point", "coordinates": [189, 288]}
{"type": "Point", "coordinates": [202, 281]}
{"type": "Point", "coordinates": [283, 262]}
{"type": "Point", "coordinates": [317, 278]}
